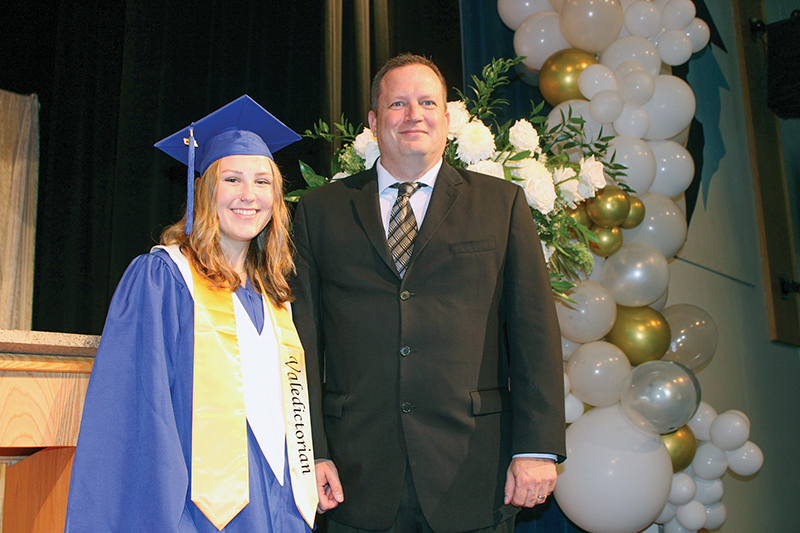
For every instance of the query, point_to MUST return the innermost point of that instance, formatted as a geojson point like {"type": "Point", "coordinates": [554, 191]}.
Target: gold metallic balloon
{"type": "Point", "coordinates": [681, 446]}
{"type": "Point", "coordinates": [642, 333]}
{"type": "Point", "coordinates": [580, 215]}
{"type": "Point", "coordinates": [558, 78]}
{"type": "Point", "coordinates": [610, 207]}
{"type": "Point", "coordinates": [610, 240]}
{"type": "Point", "coordinates": [636, 214]}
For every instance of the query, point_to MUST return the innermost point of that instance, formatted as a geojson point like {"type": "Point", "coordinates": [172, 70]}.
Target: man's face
{"type": "Point", "coordinates": [411, 120]}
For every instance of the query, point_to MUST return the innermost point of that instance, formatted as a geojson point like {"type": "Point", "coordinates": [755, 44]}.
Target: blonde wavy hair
{"type": "Point", "coordinates": [269, 256]}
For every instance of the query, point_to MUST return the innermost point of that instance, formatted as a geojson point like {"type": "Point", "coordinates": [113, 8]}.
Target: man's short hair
{"type": "Point", "coordinates": [403, 60]}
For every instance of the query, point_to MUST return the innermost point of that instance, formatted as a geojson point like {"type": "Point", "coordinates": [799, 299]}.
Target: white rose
{"type": "Point", "coordinates": [475, 142]}
{"type": "Point", "coordinates": [362, 141]}
{"type": "Point", "coordinates": [490, 168]}
{"type": "Point", "coordinates": [458, 117]}
{"type": "Point", "coordinates": [372, 154]}
{"type": "Point", "coordinates": [568, 186]}
{"type": "Point", "coordinates": [591, 175]}
{"type": "Point", "coordinates": [339, 175]}
{"type": "Point", "coordinates": [523, 136]}
{"type": "Point", "coordinates": [537, 182]}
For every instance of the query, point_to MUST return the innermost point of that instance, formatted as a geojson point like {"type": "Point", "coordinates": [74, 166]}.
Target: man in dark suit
{"type": "Point", "coordinates": [440, 350]}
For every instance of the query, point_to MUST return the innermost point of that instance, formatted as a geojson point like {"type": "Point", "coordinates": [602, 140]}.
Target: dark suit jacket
{"type": "Point", "coordinates": [418, 369]}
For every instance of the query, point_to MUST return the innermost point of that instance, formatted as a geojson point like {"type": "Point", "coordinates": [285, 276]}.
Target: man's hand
{"type": "Point", "coordinates": [329, 488]}
{"type": "Point", "coordinates": [529, 481]}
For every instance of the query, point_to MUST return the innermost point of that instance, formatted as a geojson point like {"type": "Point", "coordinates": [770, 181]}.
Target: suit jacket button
{"type": "Point", "coordinates": [405, 295]}
{"type": "Point", "coordinates": [405, 350]}
{"type": "Point", "coordinates": [406, 407]}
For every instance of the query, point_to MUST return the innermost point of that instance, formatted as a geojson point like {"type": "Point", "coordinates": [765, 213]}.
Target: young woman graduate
{"type": "Point", "coordinates": [196, 413]}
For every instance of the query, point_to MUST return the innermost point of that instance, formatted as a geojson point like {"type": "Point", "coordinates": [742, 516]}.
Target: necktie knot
{"type": "Point", "coordinates": [406, 189]}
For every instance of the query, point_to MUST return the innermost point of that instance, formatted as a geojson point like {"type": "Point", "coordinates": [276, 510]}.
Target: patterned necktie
{"type": "Point", "coordinates": [402, 225]}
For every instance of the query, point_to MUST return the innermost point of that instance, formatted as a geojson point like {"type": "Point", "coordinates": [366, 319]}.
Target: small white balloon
{"type": "Point", "coordinates": [592, 25]}
{"type": "Point", "coordinates": [634, 121]}
{"type": "Point", "coordinates": [643, 19]}
{"type": "Point", "coordinates": [605, 106]}
{"type": "Point", "coordinates": [746, 460]}
{"type": "Point", "coordinates": [741, 414]}
{"type": "Point", "coordinates": [635, 48]}
{"type": "Point", "coordinates": [667, 514]}
{"type": "Point", "coordinates": [729, 431]}
{"type": "Point", "coordinates": [683, 489]}
{"type": "Point", "coordinates": [636, 275]}
{"type": "Point", "coordinates": [677, 14]}
{"type": "Point", "coordinates": [513, 12]}
{"type": "Point", "coordinates": [626, 67]}
{"type": "Point", "coordinates": [715, 516]}
{"type": "Point", "coordinates": [538, 37]}
{"type": "Point", "coordinates": [709, 491]}
{"type": "Point", "coordinates": [674, 168]}
{"type": "Point", "coordinates": [664, 226]}
{"type": "Point", "coordinates": [709, 461]}
{"type": "Point", "coordinates": [592, 315]}
{"type": "Point", "coordinates": [700, 423]}
{"type": "Point", "coordinates": [596, 78]}
{"type": "Point", "coordinates": [573, 408]}
{"type": "Point", "coordinates": [693, 337]}
{"type": "Point", "coordinates": [674, 47]}
{"type": "Point", "coordinates": [567, 347]}
{"type": "Point", "coordinates": [670, 109]}
{"type": "Point", "coordinates": [692, 516]}
{"type": "Point", "coordinates": [596, 371]}
{"type": "Point", "coordinates": [673, 526]}
{"type": "Point", "coordinates": [659, 304]}
{"type": "Point", "coordinates": [637, 88]}
{"type": "Point", "coordinates": [699, 33]}
{"type": "Point", "coordinates": [639, 159]}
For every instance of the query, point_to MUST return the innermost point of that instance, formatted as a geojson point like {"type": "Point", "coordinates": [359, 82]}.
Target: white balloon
{"type": "Point", "coordinates": [592, 315]}
{"type": "Point", "coordinates": [591, 128]}
{"type": "Point", "coordinates": [671, 108]}
{"type": "Point", "coordinates": [745, 461]}
{"type": "Point", "coordinates": [596, 78]}
{"type": "Point", "coordinates": [637, 155]}
{"type": "Point", "coordinates": [513, 12]}
{"type": "Point", "coordinates": [741, 414]}
{"type": "Point", "coordinates": [591, 25]}
{"type": "Point", "coordinates": [677, 14]}
{"type": "Point", "coordinates": [635, 48]}
{"type": "Point", "coordinates": [596, 371]}
{"type": "Point", "coordinates": [626, 67]}
{"type": "Point", "coordinates": [674, 47]}
{"type": "Point", "coordinates": [573, 408]}
{"type": "Point", "coordinates": [567, 385]}
{"type": "Point", "coordinates": [637, 88]}
{"type": "Point", "coordinates": [674, 168]}
{"type": "Point", "coordinates": [636, 275]}
{"type": "Point", "coordinates": [652, 529]}
{"type": "Point", "coordinates": [567, 347]}
{"type": "Point", "coordinates": [667, 514]}
{"type": "Point", "coordinates": [527, 75]}
{"type": "Point", "coordinates": [605, 106]}
{"type": "Point", "coordinates": [659, 304]}
{"type": "Point", "coordinates": [699, 33]}
{"type": "Point", "coordinates": [643, 19]}
{"type": "Point", "coordinates": [634, 121]}
{"type": "Point", "coordinates": [729, 431]}
{"type": "Point", "coordinates": [709, 491]}
{"type": "Point", "coordinates": [715, 516]}
{"type": "Point", "coordinates": [700, 424]}
{"type": "Point", "coordinates": [538, 37]}
{"type": "Point", "coordinates": [683, 489]}
{"type": "Point", "coordinates": [618, 478]}
{"type": "Point", "coordinates": [673, 526]}
{"type": "Point", "coordinates": [664, 226]}
{"type": "Point", "coordinates": [693, 336]}
{"type": "Point", "coordinates": [557, 4]}
{"type": "Point", "coordinates": [709, 461]}
{"type": "Point", "coordinates": [692, 516]}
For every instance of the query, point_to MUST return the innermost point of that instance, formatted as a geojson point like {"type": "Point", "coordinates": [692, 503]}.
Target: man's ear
{"type": "Point", "coordinates": [372, 119]}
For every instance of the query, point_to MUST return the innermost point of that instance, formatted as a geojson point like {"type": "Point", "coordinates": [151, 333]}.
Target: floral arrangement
{"type": "Point", "coordinates": [557, 167]}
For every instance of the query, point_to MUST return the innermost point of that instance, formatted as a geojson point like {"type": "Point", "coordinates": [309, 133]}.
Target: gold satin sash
{"type": "Point", "coordinates": [220, 478]}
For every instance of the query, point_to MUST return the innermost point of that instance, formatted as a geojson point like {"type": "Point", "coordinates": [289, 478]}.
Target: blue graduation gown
{"type": "Point", "coordinates": [132, 465]}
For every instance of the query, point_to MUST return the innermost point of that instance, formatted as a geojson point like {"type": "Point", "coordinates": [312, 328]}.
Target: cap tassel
{"type": "Point", "coordinates": [190, 181]}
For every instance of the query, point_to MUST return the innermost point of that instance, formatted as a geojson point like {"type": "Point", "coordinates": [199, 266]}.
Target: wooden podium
{"type": "Point", "coordinates": [43, 379]}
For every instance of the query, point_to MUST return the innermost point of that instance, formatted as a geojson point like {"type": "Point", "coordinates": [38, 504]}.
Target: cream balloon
{"type": "Point", "coordinates": [639, 159]}
{"type": "Point", "coordinates": [746, 461]}
{"type": "Point", "coordinates": [670, 109]}
{"type": "Point", "coordinates": [715, 516]}
{"type": "Point", "coordinates": [538, 37]}
{"type": "Point", "coordinates": [632, 48]}
{"type": "Point", "coordinates": [674, 47]}
{"type": "Point", "coordinates": [632, 122]}
{"type": "Point", "coordinates": [709, 491]}
{"type": "Point", "coordinates": [700, 424]}
{"type": "Point", "coordinates": [596, 78]}
{"type": "Point", "coordinates": [626, 67]}
{"type": "Point", "coordinates": [573, 408]}
{"type": "Point", "coordinates": [729, 431]}
{"type": "Point", "coordinates": [709, 461]}
{"type": "Point", "coordinates": [677, 14]}
{"type": "Point", "coordinates": [643, 19]}
{"type": "Point", "coordinates": [683, 489]}
{"type": "Point", "coordinates": [605, 106]}
{"type": "Point", "coordinates": [636, 88]}
{"type": "Point", "coordinates": [567, 347]}
{"type": "Point", "coordinates": [513, 12]}
{"type": "Point", "coordinates": [692, 516]}
{"type": "Point", "coordinates": [591, 25]}
{"type": "Point", "coordinates": [636, 275]}
{"type": "Point", "coordinates": [617, 479]}
{"type": "Point", "coordinates": [590, 317]}
{"type": "Point", "coordinates": [699, 33]}
{"type": "Point", "coordinates": [664, 226]}
{"type": "Point", "coordinates": [674, 168]}
{"type": "Point", "coordinates": [596, 371]}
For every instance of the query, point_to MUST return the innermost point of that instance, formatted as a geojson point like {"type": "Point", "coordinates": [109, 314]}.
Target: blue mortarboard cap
{"type": "Point", "coordinates": [240, 128]}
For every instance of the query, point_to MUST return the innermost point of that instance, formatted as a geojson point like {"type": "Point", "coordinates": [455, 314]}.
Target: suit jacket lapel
{"type": "Point", "coordinates": [365, 202]}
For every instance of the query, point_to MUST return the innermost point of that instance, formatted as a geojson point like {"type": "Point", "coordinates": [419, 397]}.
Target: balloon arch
{"type": "Point", "coordinates": [645, 453]}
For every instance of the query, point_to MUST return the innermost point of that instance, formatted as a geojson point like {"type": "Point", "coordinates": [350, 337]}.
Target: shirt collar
{"type": "Point", "coordinates": [385, 179]}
